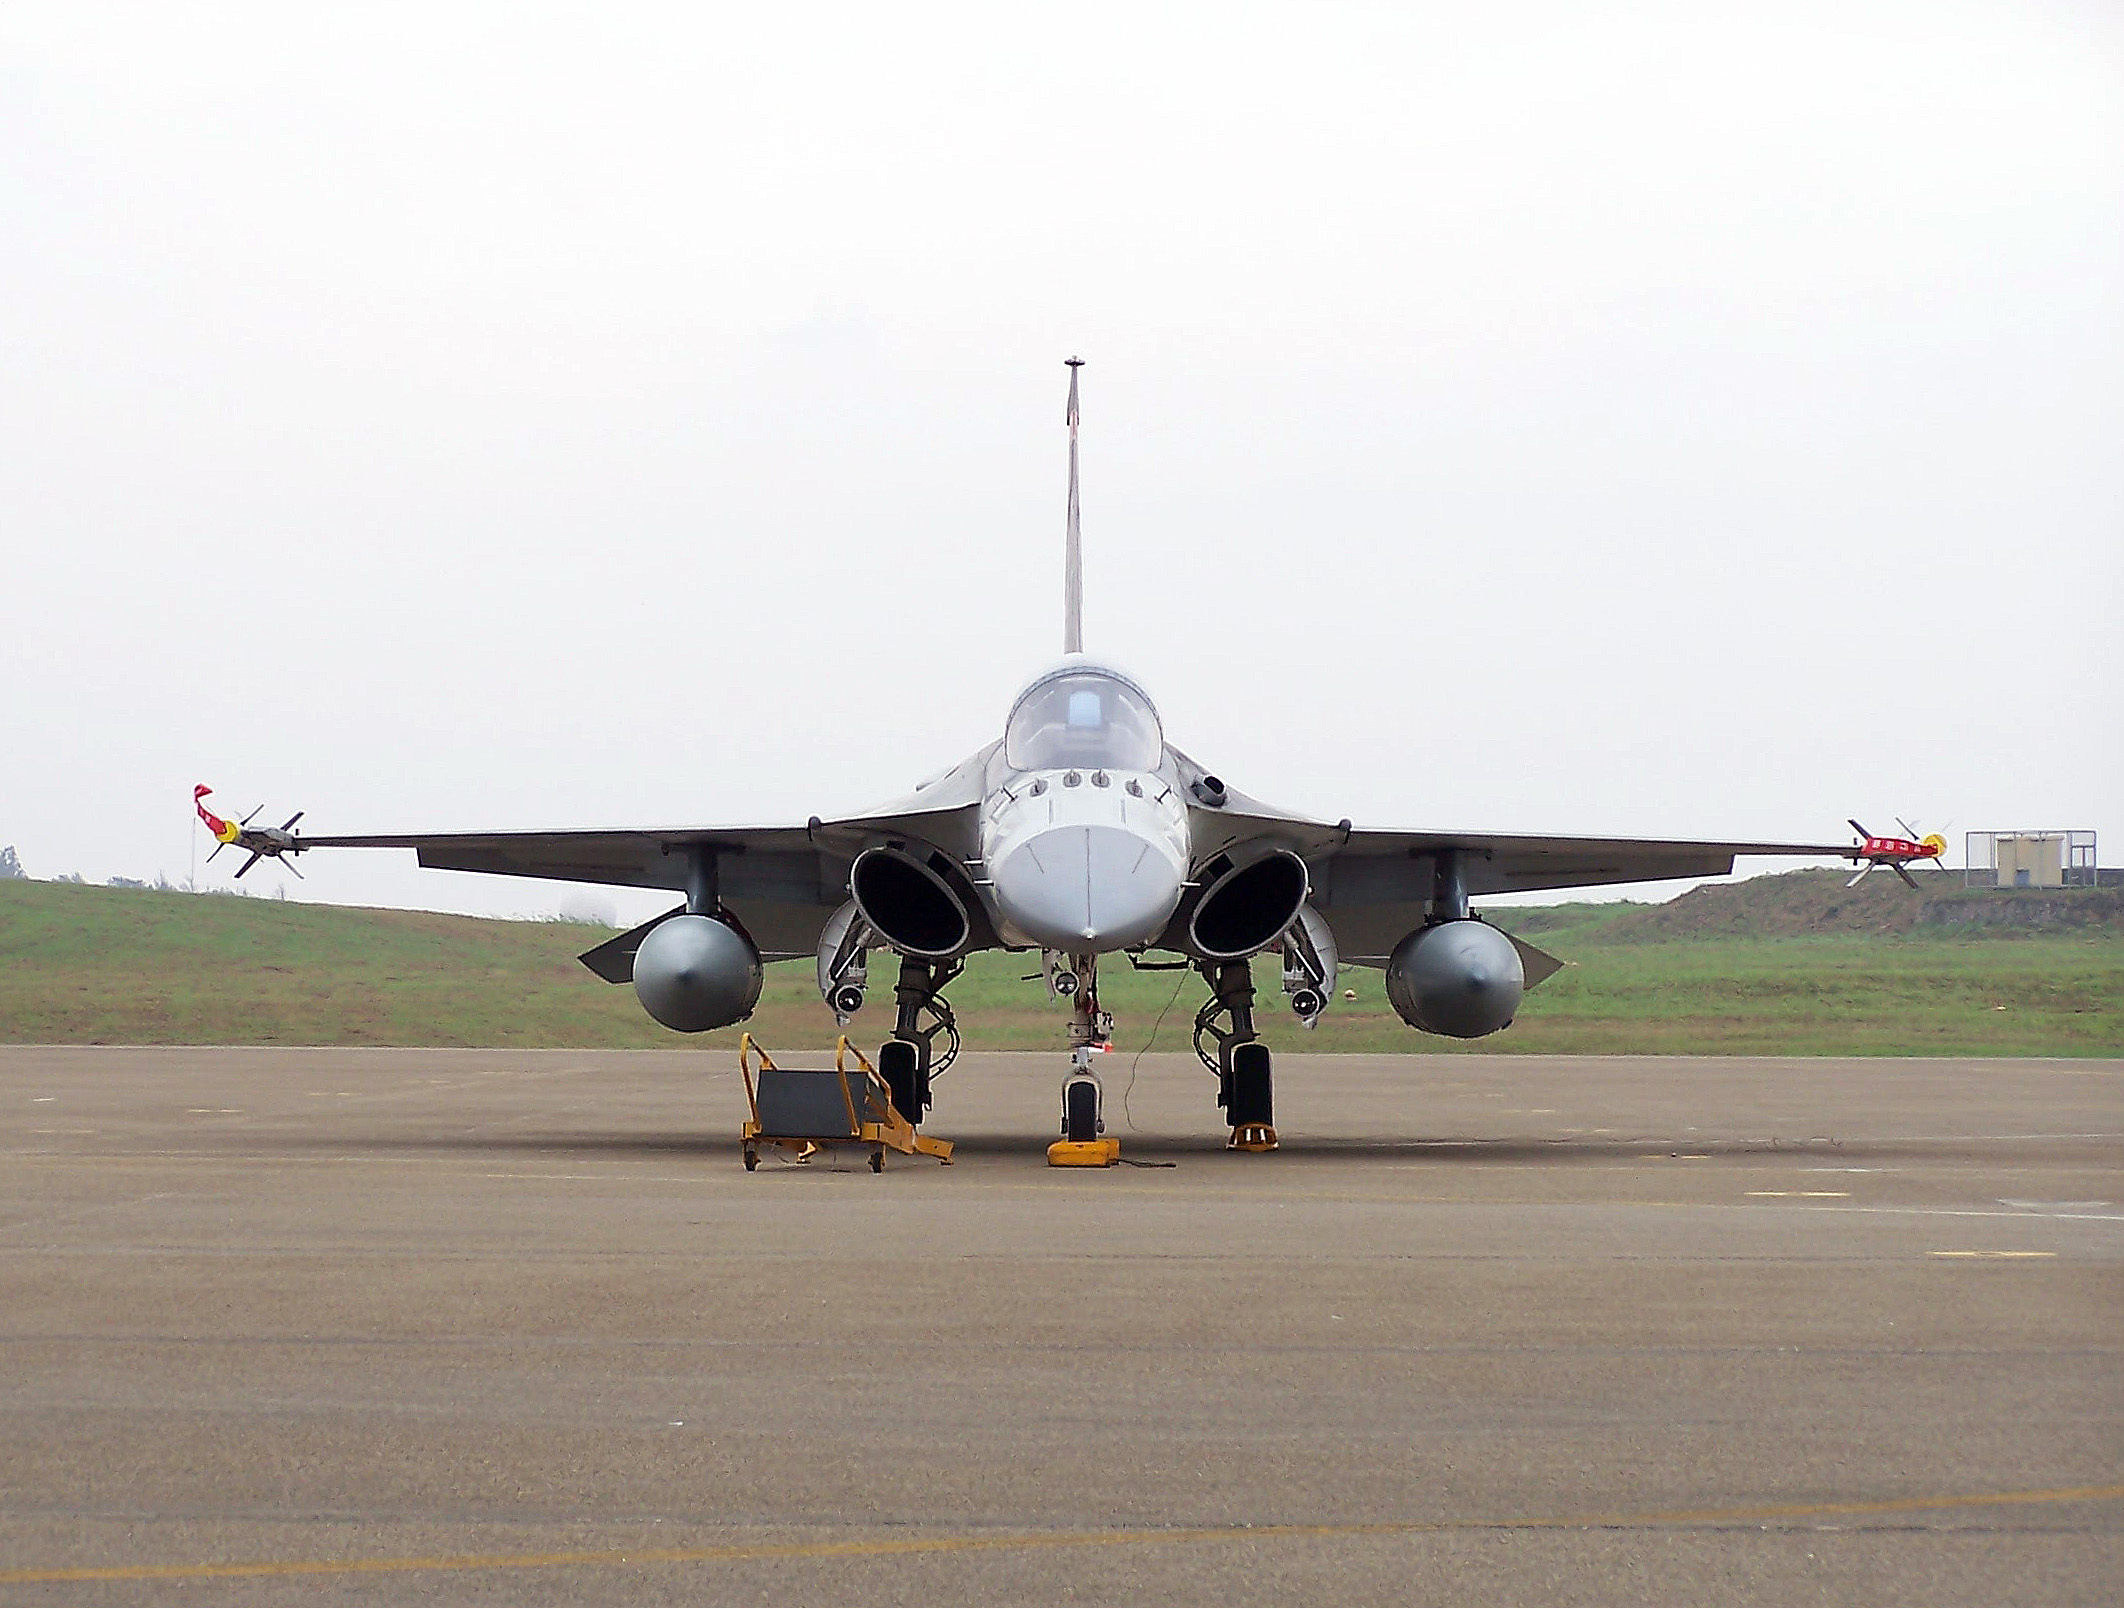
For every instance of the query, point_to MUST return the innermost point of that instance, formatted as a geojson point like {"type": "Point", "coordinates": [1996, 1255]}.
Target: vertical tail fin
{"type": "Point", "coordinates": [1073, 550]}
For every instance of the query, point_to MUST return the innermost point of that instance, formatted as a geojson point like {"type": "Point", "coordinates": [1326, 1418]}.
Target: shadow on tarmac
{"type": "Point", "coordinates": [1140, 1147]}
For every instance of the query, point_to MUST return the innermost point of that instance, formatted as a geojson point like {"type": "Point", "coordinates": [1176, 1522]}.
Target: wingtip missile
{"type": "Point", "coordinates": [263, 842]}
{"type": "Point", "coordinates": [1898, 854]}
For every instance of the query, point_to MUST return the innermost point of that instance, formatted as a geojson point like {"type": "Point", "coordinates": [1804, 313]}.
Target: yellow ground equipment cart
{"type": "Point", "coordinates": [807, 1109]}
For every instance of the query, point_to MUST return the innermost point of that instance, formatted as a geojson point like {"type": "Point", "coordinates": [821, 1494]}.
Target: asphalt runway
{"type": "Point", "coordinates": [491, 1326]}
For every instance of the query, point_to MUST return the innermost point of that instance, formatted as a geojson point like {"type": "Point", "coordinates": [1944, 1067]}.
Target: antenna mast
{"type": "Point", "coordinates": [1073, 551]}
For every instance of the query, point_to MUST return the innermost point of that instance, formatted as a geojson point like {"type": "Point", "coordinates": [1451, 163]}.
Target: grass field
{"type": "Point", "coordinates": [121, 966]}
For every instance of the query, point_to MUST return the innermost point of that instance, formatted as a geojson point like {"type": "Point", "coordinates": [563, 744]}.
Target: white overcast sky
{"type": "Point", "coordinates": [1651, 419]}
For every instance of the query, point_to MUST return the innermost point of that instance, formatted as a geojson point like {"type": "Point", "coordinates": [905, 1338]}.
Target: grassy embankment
{"type": "Point", "coordinates": [1747, 968]}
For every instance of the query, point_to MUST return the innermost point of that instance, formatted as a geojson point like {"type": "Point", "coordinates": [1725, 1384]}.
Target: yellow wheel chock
{"type": "Point", "coordinates": [1084, 1153]}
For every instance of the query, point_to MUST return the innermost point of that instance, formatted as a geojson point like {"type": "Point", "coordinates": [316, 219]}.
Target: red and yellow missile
{"type": "Point", "coordinates": [260, 842]}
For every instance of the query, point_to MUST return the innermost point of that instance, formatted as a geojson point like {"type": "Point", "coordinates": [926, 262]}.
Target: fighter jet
{"type": "Point", "coordinates": [1081, 832]}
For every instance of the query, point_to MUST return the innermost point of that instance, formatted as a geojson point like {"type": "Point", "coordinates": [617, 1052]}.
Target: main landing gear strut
{"type": "Point", "coordinates": [909, 1059]}
{"type": "Point", "coordinates": [1091, 1032]}
{"type": "Point", "coordinates": [1245, 1081]}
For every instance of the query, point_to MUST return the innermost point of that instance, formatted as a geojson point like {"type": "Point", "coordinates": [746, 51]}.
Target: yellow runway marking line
{"type": "Point", "coordinates": [1058, 1538]}
{"type": "Point", "coordinates": [1988, 1256]}
{"type": "Point", "coordinates": [1801, 1194]}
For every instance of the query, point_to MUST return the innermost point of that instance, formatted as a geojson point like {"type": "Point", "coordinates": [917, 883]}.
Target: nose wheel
{"type": "Point", "coordinates": [1081, 1099]}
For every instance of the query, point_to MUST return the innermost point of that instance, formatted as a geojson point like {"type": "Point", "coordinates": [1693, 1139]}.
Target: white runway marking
{"type": "Point", "coordinates": [1957, 1211]}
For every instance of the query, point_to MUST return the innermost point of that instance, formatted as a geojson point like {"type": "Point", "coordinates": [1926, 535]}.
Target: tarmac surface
{"type": "Point", "coordinates": [487, 1326]}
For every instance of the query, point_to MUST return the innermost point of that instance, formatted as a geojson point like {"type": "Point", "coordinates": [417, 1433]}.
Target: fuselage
{"type": "Point", "coordinates": [1084, 822]}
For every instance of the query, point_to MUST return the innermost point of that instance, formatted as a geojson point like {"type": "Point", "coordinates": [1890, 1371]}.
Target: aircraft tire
{"type": "Point", "coordinates": [1250, 1097]}
{"type": "Point", "coordinates": [1080, 1111]}
{"type": "Point", "coordinates": [899, 1063]}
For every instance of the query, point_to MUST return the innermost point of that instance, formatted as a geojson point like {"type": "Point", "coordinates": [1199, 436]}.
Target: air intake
{"type": "Point", "coordinates": [909, 903]}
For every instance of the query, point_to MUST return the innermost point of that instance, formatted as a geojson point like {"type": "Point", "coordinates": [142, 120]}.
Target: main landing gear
{"type": "Point", "coordinates": [909, 1059]}
{"type": "Point", "coordinates": [1091, 1033]}
{"type": "Point", "coordinates": [1245, 1081]}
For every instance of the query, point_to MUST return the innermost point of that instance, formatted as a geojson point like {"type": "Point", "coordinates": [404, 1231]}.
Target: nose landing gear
{"type": "Point", "coordinates": [1091, 1032]}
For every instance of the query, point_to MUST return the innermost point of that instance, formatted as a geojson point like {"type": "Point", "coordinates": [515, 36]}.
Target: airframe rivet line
{"type": "Point", "coordinates": [1067, 1538]}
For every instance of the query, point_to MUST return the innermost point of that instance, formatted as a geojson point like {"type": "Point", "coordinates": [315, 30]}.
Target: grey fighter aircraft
{"type": "Point", "coordinates": [1080, 832]}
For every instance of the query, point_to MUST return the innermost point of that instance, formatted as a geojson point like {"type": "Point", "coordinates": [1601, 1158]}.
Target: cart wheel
{"type": "Point", "coordinates": [752, 1158]}
{"type": "Point", "coordinates": [877, 1161]}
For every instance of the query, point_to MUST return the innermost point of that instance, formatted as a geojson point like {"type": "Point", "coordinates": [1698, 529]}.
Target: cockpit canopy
{"type": "Point", "coordinates": [1085, 719]}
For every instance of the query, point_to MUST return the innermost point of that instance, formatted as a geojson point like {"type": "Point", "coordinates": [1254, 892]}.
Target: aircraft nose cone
{"type": "Point", "coordinates": [1087, 889]}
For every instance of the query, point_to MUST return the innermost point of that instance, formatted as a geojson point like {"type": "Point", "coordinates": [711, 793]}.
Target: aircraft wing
{"type": "Point", "coordinates": [759, 859]}
{"type": "Point", "coordinates": [1370, 866]}
{"type": "Point", "coordinates": [1373, 885]}
{"type": "Point", "coordinates": [781, 881]}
